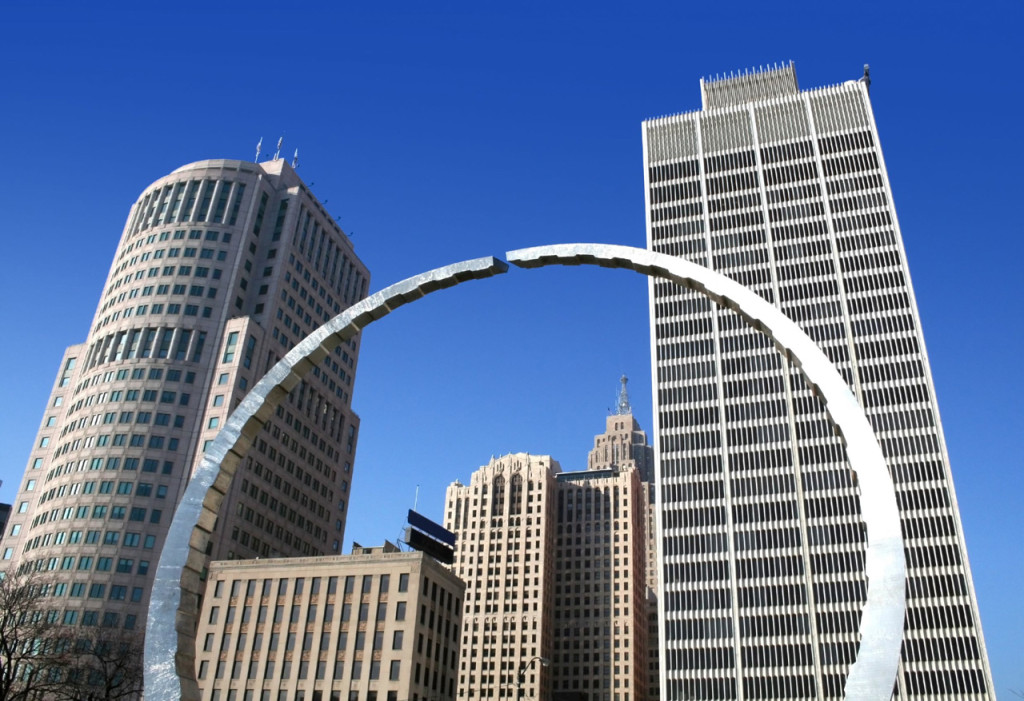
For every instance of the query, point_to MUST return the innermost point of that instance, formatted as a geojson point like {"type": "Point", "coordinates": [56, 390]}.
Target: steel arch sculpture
{"type": "Point", "coordinates": [173, 608]}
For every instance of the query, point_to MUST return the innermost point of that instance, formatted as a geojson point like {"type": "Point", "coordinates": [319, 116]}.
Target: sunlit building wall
{"type": "Point", "coordinates": [222, 267]}
{"type": "Point", "coordinates": [762, 544]}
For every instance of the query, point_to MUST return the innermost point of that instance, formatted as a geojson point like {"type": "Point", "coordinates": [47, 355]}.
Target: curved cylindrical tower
{"type": "Point", "coordinates": [222, 266]}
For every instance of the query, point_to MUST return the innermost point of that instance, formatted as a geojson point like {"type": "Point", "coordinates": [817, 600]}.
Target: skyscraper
{"type": "Point", "coordinates": [761, 542]}
{"type": "Point", "coordinates": [504, 522]}
{"type": "Point", "coordinates": [555, 568]}
{"type": "Point", "coordinates": [222, 267]}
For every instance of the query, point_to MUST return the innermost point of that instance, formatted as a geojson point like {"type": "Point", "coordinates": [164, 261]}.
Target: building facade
{"type": "Point", "coordinates": [600, 642]}
{"type": "Point", "coordinates": [503, 522]}
{"type": "Point", "coordinates": [222, 267]}
{"type": "Point", "coordinates": [376, 625]}
{"type": "Point", "coordinates": [762, 545]}
{"type": "Point", "coordinates": [624, 445]}
{"type": "Point", "coordinates": [556, 568]}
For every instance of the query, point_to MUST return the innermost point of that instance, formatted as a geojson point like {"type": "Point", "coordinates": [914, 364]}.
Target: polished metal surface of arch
{"type": "Point", "coordinates": [170, 639]}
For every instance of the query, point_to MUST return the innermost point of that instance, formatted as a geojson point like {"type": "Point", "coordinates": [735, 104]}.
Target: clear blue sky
{"type": "Point", "coordinates": [437, 132]}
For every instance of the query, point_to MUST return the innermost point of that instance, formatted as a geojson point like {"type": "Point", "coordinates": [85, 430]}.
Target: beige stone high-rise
{"type": "Point", "coordinates": [376, 625]}
{"type": "Point", "coordinates": [556, 573]}
{"type": "Point", "coordinates": [624, 445]}
{"type": "Point", "coordinates": [504, 524]}
{"type": "Point", "coordinates": [222, 267]}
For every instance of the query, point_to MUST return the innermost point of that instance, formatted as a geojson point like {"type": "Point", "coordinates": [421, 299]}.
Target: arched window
{"type": "Point", "coordinates": [498, 496]}
{"type": "Point", "coordinates": [516, 495]}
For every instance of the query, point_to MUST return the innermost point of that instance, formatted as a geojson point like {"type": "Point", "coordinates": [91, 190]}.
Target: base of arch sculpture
{"type": "Point", "coordinates": [170, 635]}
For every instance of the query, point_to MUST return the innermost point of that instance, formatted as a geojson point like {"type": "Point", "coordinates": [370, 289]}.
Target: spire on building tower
{"type": "Point", "coordinates": [622, 404]}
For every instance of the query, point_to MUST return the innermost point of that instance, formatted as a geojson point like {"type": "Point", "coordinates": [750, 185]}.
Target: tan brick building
{"type": "Point", "coordinates": [504, 522]}
{"type": "Point", "coordinates": [601, 628]}
{"type": "Point", "coordinates": [376, 625]}
{"type": "Point", "coordinates": [556, 567]}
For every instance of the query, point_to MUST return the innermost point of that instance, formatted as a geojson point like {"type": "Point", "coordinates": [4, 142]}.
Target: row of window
{"type": "Point", "coordinates": [99, 511]}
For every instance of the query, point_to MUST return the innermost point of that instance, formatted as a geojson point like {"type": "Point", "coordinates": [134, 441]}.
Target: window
{"type": "Point", "coordinates": [396, 641]}
{"type": "Point", "coordinates": [229, 348]}
{"type": "Point", "coordinates": [396, 670]}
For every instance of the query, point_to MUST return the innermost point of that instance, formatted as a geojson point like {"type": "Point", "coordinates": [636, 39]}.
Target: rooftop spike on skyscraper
{"type": "Point", "coordinates": [622, 403]}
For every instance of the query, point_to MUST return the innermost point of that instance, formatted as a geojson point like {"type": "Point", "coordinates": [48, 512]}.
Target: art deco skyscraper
{"type": "Point", "coordinates": [504, 522]}
{"type": "Point", "coordinates": [761, 541]}
{"type": "Point", "coordinates": [555, 567]}
{"type": "Point", "coordinates": [222, 267]}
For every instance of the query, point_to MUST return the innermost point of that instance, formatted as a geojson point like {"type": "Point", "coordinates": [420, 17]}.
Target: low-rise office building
{"type": "Point", "coordinates": [376, 625]}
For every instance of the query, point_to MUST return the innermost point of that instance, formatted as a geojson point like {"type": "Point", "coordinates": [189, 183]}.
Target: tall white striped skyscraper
{"type": "Point", "coordinates": [761, 541]}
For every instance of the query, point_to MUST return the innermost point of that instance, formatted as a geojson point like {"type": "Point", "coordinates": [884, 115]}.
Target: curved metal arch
{"type": "Point", "coordinates": [169, 665]}
{"type": "Point", "coordinates": [170, 639]}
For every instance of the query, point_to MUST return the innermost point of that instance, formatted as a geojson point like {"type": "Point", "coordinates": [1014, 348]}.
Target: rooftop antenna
{"type": "Point", "coordinates": [259, 146]}
{"type": "Point", "coordinates": [866, 79]}
{"type": "Point", "coordinates": [402, 534]}
{"type": "Point", "coordinates": [295, 159]}
{"type": "Point", "coordinates": [622, 404]}
{"type": "Point", "coordinates": [277, 154]}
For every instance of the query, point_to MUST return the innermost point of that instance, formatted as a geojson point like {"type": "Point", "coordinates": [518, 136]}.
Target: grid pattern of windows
{"type": "Point", "coordinates": [503, 521]}
{"type": "Point", "coordinates": [789, 196]}
{"type": "Point", "coordinates": [555, 567]}
{"type": "Point", "coordinates": [336, 626]}
{"type": "Point", "coordinates": [176, 342]}
{"type": "Point", "coordinates": [600, 637]}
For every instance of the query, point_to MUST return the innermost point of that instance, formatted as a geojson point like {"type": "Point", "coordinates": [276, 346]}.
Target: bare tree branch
{"type": "Point", "coordinates": [32, 656]}
{"type": "Point", "coordinates": [106, 665]}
